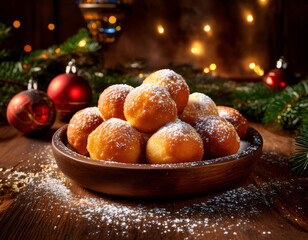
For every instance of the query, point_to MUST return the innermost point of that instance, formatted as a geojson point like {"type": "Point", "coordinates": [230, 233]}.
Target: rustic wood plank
{"type": "Point", "coordinates": [270, 204]}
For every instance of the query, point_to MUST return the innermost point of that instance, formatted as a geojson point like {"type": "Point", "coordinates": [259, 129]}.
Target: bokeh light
{"type": "Point", "coordinates": [252, 65]}
{"type": "Point", "coordinates": [51, 26]}
{"type": "Point", "coordinates": [16, 24]}
{"type": "Point", "coordinates": [27, 48]}
{"type": "Point", "coordinates": [206, 70]}
{"type": "Point", "coordinates": [82, 43]}
{"type": "Point", "coordinates": [196, 48]}
{"type": "Point", "coordinates": [160, 29]}
{"type": "Point", "coordinates": [213, 66]}
{"type": "Point", "coordinates": [249, 18]}
{"type": "Point", "coordinates": [112, 19]}
{"type": "Point", "coordinates": [207, 28]}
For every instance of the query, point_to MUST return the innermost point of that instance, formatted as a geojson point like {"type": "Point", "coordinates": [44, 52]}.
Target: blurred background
{"type": "Point", "coordinates": [232, 38]}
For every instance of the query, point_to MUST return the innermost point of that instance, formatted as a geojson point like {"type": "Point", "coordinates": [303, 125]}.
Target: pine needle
{"type": "Point", "coordinates": [299, 158]}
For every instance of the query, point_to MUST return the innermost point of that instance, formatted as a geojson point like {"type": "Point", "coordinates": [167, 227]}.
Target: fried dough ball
{"type": "Point", "coordinates": [149, 107]}
{"type": "Point", "coordinates": [116, 140]}
{"type": "Point", "coordinates": [175, 84]}
{"type": "Point", "coordinates": [219, 136]}
{"type": "Point", "coordinates": [80, 126]}
{"type": "Point", "coordinates": [111, 101]}
{"type": "Point", "coordinates": [199, 105]}
{"type": "Point", "coordinates": [239, 122]}
{"type": "Point", "coordinates": [176, 142]}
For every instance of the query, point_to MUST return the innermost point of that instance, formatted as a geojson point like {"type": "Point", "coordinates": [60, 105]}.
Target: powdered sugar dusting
{"type": "Point", "coordinates": [227, 213]}
{"type": "Point", "coordinates": [86, 118]}
{"type": "Point", "coordinates": [230, 212]}
{"type": "Point", "coordinates": [167, 74]}
{"type": "Point", "coordinates": [153, 95]}
{"type": "Point", "coordinates": [173, 81]}
{"type": "Point", "coordinates": [178, 131]}
{"type": "Point", "coordinates": [199, 105]}
{"type": "Point", "coordinates": [113, 135]}
{"type": "Point", "coordinates": [116, 92]}
{"type": "Point", "coordinates": [217, 128]}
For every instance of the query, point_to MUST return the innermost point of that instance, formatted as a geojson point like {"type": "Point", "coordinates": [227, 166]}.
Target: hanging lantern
{"type": "Point", "coordinates": [104, 18]}
{"type": "Point", "coordinates": [280, 76]}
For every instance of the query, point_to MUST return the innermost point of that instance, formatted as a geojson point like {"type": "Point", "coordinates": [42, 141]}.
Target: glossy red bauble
{"type": "Point", "coordinates": [279, 78]}
{"type": "Point", "coordinates": [30, 111]}
{"type": "Point", "coordinates": [70, 93]}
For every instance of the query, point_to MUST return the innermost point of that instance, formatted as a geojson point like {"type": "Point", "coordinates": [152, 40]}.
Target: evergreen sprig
{"type": "Point", "coordinates": [4, 31]}
{"type": "Point", "coordinates": [282, 103]}
{"type": "Point", "coordinates": [299, 159]}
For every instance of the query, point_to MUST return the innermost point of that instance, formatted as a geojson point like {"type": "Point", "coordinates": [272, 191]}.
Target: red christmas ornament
{"type": "Point", "coordinates": [69, 92]}
{"type": "Point", "coordinates": [280, 76]}
{"type": "Point", "coordinates": [31, 110]}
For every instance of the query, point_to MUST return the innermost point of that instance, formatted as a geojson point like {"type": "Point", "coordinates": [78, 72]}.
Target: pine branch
{"type": "Point", "coordinates": [4, 32]}
{"type": "Point", "coordinates": [299, 158]}
{"type": "Point", "coordinates": [252, 91]}
{"type": "Point", "coordinates": [282, 102]}
{"type": "Point", "coordinates": [295, 115]}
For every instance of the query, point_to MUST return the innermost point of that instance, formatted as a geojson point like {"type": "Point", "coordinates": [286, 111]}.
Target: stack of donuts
{"type": "Point", "coordinates": [159, 122]}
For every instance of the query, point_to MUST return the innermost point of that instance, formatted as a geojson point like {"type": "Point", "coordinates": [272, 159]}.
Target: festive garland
{"type": "Point", "coordinates": [257, 101]}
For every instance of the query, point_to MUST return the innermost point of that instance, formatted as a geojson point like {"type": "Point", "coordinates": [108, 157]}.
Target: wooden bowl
{"type": "Point", "coordinates": [155, 181]}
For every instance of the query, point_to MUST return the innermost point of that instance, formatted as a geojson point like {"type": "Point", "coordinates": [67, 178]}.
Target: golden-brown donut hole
{"type": "Point", "coordinates": [175, 84]}
{"type": "Point", "coordinates": [176, 142]}
{"type": "Point", "coordinates": [116, 140]}
{"type": "Point", "coordinates": [111, 101]}
{"type": "Point", "coordinates": [80, 126]}
{"type": "Point", "coordinates": [219, 136]}
{"type": "Point", "coordinates": [239, 122]}
{"type": "Point", "coordinates": [148, 107]}
{"type": "Point", "coordinates": [199, 105]}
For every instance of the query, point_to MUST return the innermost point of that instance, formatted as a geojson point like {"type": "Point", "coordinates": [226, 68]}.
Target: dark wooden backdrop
{"type": "Point", "coordinates": [279, 28]}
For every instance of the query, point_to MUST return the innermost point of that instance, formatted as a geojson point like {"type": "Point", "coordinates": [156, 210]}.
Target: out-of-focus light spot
{"type": "Point", "coordinates": [263, 2]}
{"type": "Point", "coordinates": [269, 81]}
{"type": "Point", "coordinates": [160, 29]}
{"type": "Point", "coordinates": [112, 19]}
{"type": "Point", "coordinates": [140, 75]}
{"type": "Point", "coordinates": [213, 66]}
{"type": "Point", "coordinates": [282, 84]}
{"type": "Point", "coordinates": [27, 48]}
{"type": "Point", "coordinates": [24, 66]}
{"type": "Point", "coordinates": [94, 25]}
{"type": "Point", "coordinates": [249, 18]}
{"type": "Point", "coordinates": [206, 70]}
{"type": "Point", "coordinates": [82, 43]}
{"type": "Point", "coordinates": [51, 26]}
{"type": "Point", "coordinates": [44, 56]}
{"type": "Point", "coordinates": [57, 50]}
{"type": "Point", "coordinates": [260, 72]}
{"type": "Point", "coordinates": [118, 28]}
{"type": "Point", "coordinates": [16, 24]}
{"type": "Point", "coordinates": [252, 65]}
{"type": "Point", "coordinates": [107, 30]}
{"type": "Point", "coordinates": [257, 69]}
{"type": "Point", "coordinates": [207, 28]}
{"type": "Point", "coordinates": [196, 48]}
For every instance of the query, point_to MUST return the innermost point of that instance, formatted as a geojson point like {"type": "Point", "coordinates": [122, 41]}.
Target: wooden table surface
{"type": "Point", "coordinates": [38, 202]}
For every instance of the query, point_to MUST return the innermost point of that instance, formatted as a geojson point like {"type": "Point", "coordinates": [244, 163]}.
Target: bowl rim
{"type": "Point", "coordinates": [58, 145]}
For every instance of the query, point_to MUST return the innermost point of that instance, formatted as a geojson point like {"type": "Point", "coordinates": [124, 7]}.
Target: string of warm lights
{"type": "Point", "coordinates": [257, 69]}
{"type": "Point", "coordinates": [212, 67]}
